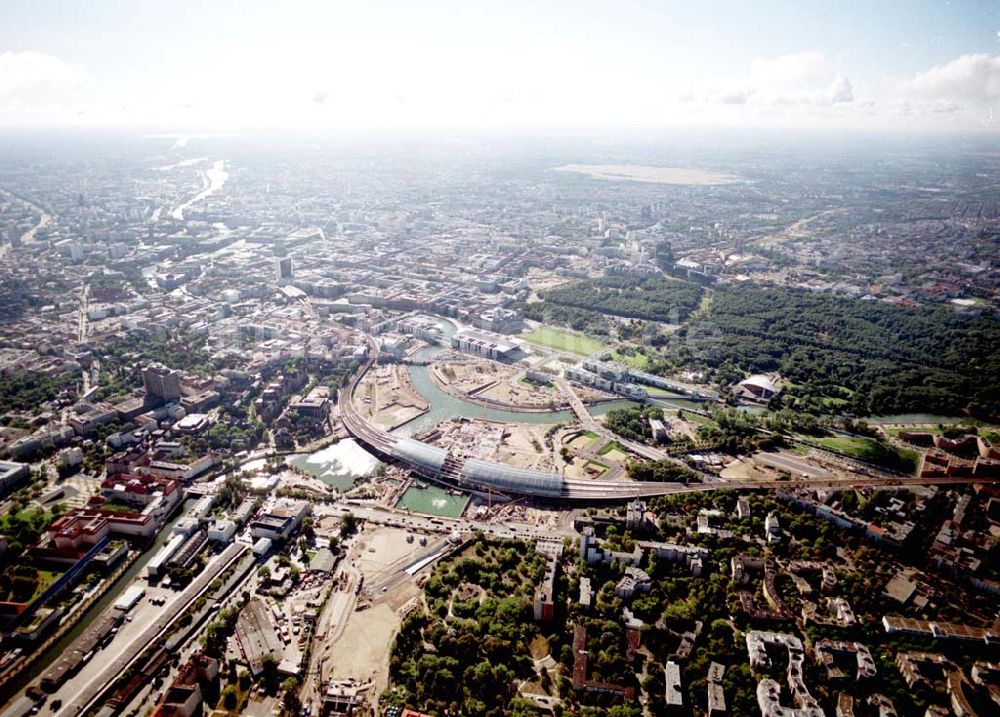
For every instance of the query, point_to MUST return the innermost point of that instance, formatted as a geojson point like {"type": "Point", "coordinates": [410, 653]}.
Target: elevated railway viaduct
{"type": "Point", "coordinates": [478, 476]}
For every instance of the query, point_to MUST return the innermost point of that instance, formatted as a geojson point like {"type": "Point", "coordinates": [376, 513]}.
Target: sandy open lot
{"type": "Point", "coordinates": [363, 649]}
{"type": "Point", "coordinates": [380, 548]}
{"type": "Point", "coordinates": [540, 280]}
{"type": "Point", "coordinates": [519, 447]}
{"type": "Point", "coordinates": [357, 644]}
{"type": "Point", "coordinates": [492, 381]}
{"type": "Point", "coordinates": [388, 397]}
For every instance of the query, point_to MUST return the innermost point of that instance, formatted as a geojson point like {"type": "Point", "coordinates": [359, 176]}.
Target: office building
{"type": "Point", "coordinates": [283, 270]}
{"type": "Point", "coordinates": [161, 382]}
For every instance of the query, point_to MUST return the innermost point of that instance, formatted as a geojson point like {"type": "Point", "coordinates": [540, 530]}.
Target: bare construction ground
{"type": "Point", "coordinates": [379, 549]}
{"type": "Point", "coordinates": [524, 446]}
{"type": "Point", "coordinates": [744, 469]}
{"type": "Point", "coordinates": [654, 175]}
{"type": "Point", "coordinates": [362, 652]}
{"type": "Point", "coordinates": [542, 279]}
{"type": "Point", "coordinates": [388, 397]}
{"type": "Point", "coordinates": [494, 382]}
{"type": "Point", "coordinates": [356, 643]}
{"type": "Point", "coordinates": [516, 444]}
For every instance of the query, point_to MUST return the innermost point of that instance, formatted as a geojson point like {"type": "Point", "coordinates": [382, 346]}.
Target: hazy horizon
{"type": "Point", "coordinates": [392, 66]}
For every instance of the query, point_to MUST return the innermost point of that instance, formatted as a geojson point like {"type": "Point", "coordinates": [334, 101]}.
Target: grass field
{"type": "Point", "coordinates": [562, 340]}
{"type": "Point", "coordinates": [611, 446]}
{"type": "Point", "coordinates": [582, 439]}
{"type": "Point", "coordinates": [657, 391]}
{"type": "Point", "coordinates": [872, 451]}
{"type": "Point", "coordinates": [834, 402]}
{"type": "Point", "coordinates": [614, 452]}
{"type": "Point", "coordinates": [638, 361]}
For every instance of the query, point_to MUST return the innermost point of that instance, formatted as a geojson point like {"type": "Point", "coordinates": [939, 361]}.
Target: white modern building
{"type": "Point", "coordinates": [485, 343]}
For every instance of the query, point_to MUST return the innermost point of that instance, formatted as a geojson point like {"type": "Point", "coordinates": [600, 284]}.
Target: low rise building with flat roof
{"type": "Point", "coordinates": [262, 547]}
{"type": "Point", "coordinates": [221, 530]}
{"type": "Point", "coordinates": [193, 423]}
{"type": "Point", "coordinates": [281, 521]}
{"type": "Point", "coordinates": [256, 635]}
{"type": "Point", "coordinates": [673, 695]}
{"type": "Point", "coordinates": [12, 476]}
{"type": "Point", "coordinates": [159, 561]}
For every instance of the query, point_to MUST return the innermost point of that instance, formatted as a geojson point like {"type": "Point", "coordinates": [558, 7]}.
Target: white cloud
{"type": "Point", "coordinates": [801, 78]}
{"type": "Point", "coordinates": [30, 78]}
{"type": "Point", "coordinates": [841, 89]}
{"type": "Point", "coordinates": [788, 72]}
{"type": "Point", "coordinates": [969, 79]}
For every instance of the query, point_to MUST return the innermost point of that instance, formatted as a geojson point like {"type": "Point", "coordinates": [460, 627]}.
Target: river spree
{"type": "Point", "coordinates": [213, 180]}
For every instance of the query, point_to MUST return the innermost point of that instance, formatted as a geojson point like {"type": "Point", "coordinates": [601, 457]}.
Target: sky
{"type": "Point", "coordinates": [223, 66]}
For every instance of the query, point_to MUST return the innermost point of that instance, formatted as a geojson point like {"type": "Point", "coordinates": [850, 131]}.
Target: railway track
{"type": "Point", "coordinates": [385, 445]}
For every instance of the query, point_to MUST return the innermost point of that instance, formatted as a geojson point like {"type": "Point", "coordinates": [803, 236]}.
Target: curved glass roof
{"type": "Point", "coordinates": [515, 480]}
{"type": "Point", "coordinates": [421, 454]}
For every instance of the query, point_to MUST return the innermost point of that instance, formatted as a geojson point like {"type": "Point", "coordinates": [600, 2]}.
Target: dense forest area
{"type": "Point", "coordinates": [869, 357]}
{"type": "Point", "coordinates": [838, 354]}
{"type": "Point", "coordinates": [654, 299]}
{"type": "Point", "coordinates": [29, 391]}
{"type": "Point", "coordinates": [468, 652]}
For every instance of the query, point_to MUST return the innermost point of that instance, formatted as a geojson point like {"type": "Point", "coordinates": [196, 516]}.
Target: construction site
{"type": "Point", "coordinates": [388, 398]}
